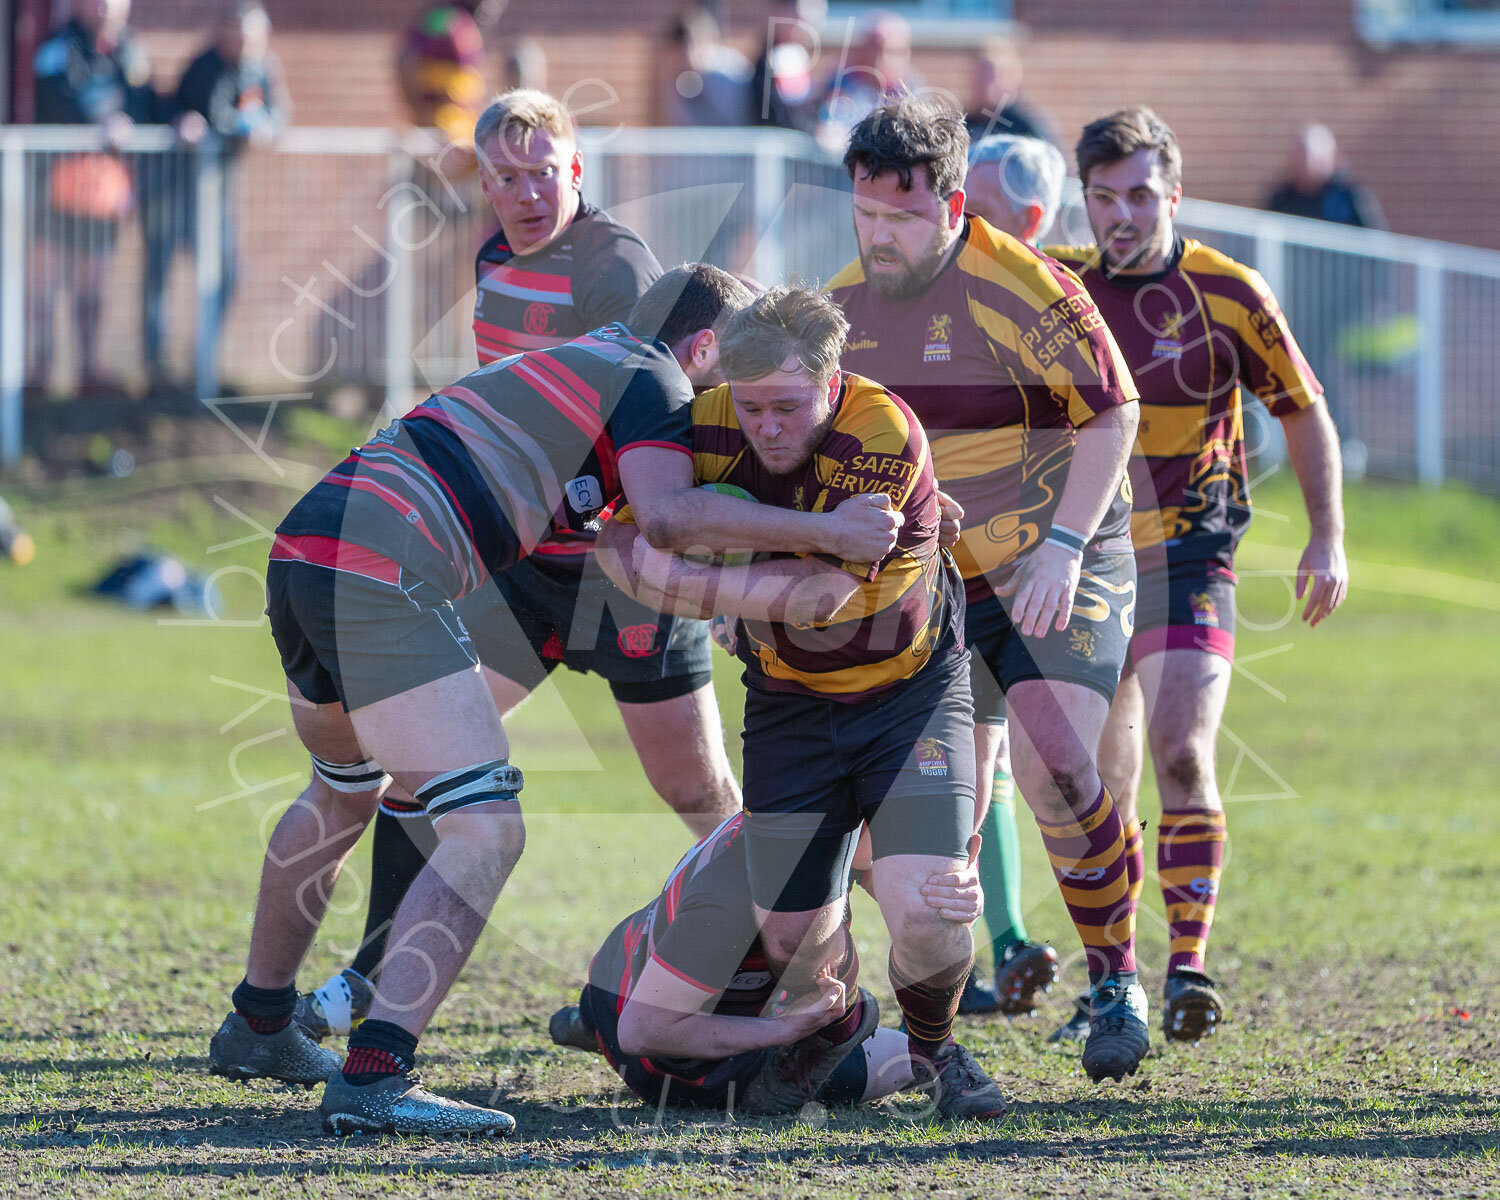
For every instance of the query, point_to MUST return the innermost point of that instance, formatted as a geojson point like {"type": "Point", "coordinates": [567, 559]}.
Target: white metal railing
{"type": "Point", "coordinates": [355, 267]}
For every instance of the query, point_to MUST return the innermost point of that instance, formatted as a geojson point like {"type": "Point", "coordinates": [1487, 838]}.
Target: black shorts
{"type": "Point", "coordinates": [1090, 651]}
{"type": "Point", "coordinates": [536, 616]}
{"type": "Point", "coordinates": [816, 768]}
{"type": "Point", "coordinates": [1188, 606]}
{"type": "Point", "coordinates": [686, 1083]}
{"type": "Point", "coordinates": [989, 696]}
{"type": "Point", "coordinates": [363, 631]}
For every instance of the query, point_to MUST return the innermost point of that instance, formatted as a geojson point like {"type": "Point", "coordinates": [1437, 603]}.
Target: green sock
{"type": "Point", "coordinates": [1000, 866]}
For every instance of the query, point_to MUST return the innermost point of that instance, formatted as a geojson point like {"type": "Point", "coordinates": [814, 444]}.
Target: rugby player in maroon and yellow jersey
{"type": "Point", "coordinates": [857, 707]}
{"type": "Point", "coordinates": [364, 575]}
{"type": "Point", "coordinates": [1006, 362]}
{"type": "Point", "coordinates": [1195, 326]}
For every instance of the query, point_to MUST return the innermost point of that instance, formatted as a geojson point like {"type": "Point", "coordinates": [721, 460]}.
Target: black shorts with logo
{"type": "Point", "coordinates": [816, 768]}
{"type": "Point", "coordinates": [536, 616]}
{"type": "Point", "coordinates": [1091, 651]}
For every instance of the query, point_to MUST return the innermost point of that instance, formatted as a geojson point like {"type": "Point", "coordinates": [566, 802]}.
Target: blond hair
{"type": "Point", "coordinates": [795, 322]}
{"type": "Point", "coordinates": [519, 115]}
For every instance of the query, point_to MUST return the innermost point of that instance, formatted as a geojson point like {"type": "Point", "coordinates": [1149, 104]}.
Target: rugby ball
{"type": "Point", "coordinates": [737, 558]}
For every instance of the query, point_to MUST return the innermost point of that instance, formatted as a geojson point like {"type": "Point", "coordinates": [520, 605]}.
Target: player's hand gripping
{"type": "Point", "coordinates": [806, 1014]}
{"type": "Point", "coordinates": [1043, 586]}
{"type": "Point", "coordinates": [722, 630]}
{"type": "Point", "coordinates": [863, 528]}
{"type": "Point", "coordinates": [950, 514]}
{"type": "Point", "coordinates": [1323, 576]}
{"type": "Point", "coordinates": [957, 895]}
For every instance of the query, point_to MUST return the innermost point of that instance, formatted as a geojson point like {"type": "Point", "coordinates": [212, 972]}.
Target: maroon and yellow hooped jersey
{"type": "Point", "coordinates": [1194, 334]}
{"type": "Point", "coordinates": [903, 610]}
{"type": "Point", "coordinates": [1002, 357]}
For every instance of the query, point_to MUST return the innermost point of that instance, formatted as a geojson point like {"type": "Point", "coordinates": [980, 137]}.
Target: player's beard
{"type": "Point", "coordinates": [914, 277]}
{"type": "Point", "coordinates": [1146, 245]}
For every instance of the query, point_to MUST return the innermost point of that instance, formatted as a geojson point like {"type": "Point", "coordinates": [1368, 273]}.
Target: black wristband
{"type": "Point", "coordinates": [1058, 535]}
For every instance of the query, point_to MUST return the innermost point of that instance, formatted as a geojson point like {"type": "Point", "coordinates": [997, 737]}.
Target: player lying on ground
{"type": "Point", "coordinates": [383, 677]}
{"type": "Point", "coordinates": [1195, 326]}
{"type": "Point", "coordinates": [686, 1007]}
{"type": "Point", "coordinates": [1005, 360]}
{"type": "Point", "coordinates": [858, 707]}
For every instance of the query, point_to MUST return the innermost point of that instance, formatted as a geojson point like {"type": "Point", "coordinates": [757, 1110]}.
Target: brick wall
{"type": "Point", "coordinates": [1235, 80]}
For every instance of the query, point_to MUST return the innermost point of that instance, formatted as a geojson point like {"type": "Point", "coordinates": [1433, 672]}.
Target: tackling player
{"type": "Point", "coordinates": [857, 706]}
{"type": "Point", "coordinates": [557, 268]}
{"type": "Point", "coordinates": [1007, 363]}
{"type": "Point", "coordinates": [383, 676]}
{"type": "Point", "coordinates": [1195, 327]}
{"type": "Point", "coordinates": [679, 993]}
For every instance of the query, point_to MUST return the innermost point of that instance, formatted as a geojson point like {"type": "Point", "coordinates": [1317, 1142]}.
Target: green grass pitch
{"type": "Point", "coordinates": [142, 760]}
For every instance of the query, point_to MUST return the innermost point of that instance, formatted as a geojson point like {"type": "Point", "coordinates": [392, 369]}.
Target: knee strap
{"type": "Point", "coordinates": [479, 784]}
{"type": "Point", "coordinates": [350, 778]}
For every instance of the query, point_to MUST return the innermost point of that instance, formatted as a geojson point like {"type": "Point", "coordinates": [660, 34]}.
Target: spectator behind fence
{"type": "Point", "coordinates": [998, 106]}
{"type": "Point", "coordinates": [783, 91]}
{"type": "Point", "coordinates": [878, 67]}
{"type": "Point", "coordinates": [1332, 297]}
{"type": "Point", "coordinates": [1318, 186]}
{"type": "Point", "coordinates": [89, 72]}
{"type": "Point", "coordinates": [705, 81]}
{"type": "Point", "coordinates": [234, 94]}
{"type": "Point", "coordinates": [440, 69]}
{"type": "Point", "coordinates": [525, 65]}
{"type": "Point", "coordinates": [1015, 183]}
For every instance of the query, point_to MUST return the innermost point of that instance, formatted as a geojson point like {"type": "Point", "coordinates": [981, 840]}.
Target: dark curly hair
{"type": "Point", "coordinates": [908, 132]}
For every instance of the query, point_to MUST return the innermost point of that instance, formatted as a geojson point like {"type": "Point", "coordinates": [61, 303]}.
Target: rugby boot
{"type": "Point", "coordinates": [793, 1075]}
{"type": "Point", "coordinates": [238, 1052]}
{"type": "Point", "coordinates": [568, 1028]}
{"type": "Point", "coordinates": [959, 1088]}
{"type": "Point", "coordinates": [400, 1104]}
{"type": "Point", "coordinates": [1118, 1032]}
{"type": "Point", "coordinates": [1076, 1027]}
{"type": "Point", "coordinates": [977, 997]}
{"type": "Point", "coordinates": [335, 1008]}
{"type": "Point", "coordinates": [1025, 969]}
{"type": "Point", "coordinates": [1191, 1006]}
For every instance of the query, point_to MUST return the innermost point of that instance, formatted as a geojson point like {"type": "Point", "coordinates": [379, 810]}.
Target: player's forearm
{"type": "Point", "coordinates": [792, 591]}
{"type": "Point", "coordinates": [1099, 461]}
{"type": "Point", "coordinates": [1312, 444]}
{"type": "Point", "coordinates": [696, 521]}
{"type": "Point", "coordinates": [648, 1031]}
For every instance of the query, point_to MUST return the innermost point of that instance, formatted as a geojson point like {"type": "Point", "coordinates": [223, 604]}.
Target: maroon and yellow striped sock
{"type": "Point", "coordinates": [1088, 861]}
{"type": "Point", "coordinates": [928, 1005]}
{"type": "Point", "coordinates": [1135, 859]}
{"type": "Point", "coordinates": [1189, 860]}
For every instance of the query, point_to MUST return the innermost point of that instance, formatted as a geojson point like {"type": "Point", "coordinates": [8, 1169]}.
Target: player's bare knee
{"type": "Point", "coordinates": [1188, 767]}
{"type": "Point", "coordinates": [477, 809]}
{"type": "Point", "coordinates": [926, 944]}
{"type": "Point", "coordinates": [784, 934]}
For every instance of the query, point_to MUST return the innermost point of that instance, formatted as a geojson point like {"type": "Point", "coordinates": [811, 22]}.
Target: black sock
{"type": "Point", "coordinates": [401, 849]}
{"type": "Point", "coordinates": [378, 1049]}
{"type": "Point", "coordinates": [266, 1010]}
